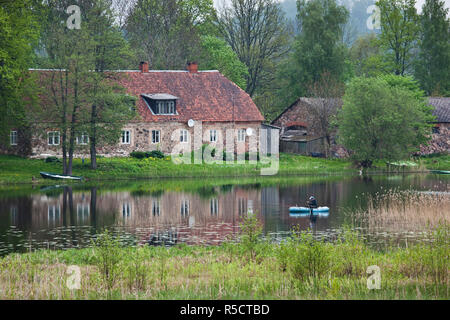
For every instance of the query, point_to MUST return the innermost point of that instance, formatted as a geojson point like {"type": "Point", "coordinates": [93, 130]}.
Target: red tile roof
{"type": "Point", "coordinates": [205, 96]}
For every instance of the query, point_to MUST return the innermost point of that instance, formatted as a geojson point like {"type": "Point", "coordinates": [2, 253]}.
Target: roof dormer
{"type": "Point", "coordinates": [161, 103]}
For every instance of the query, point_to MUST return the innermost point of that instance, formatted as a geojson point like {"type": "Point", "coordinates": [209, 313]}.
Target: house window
{"type": "Point", "coordinates": [165, 107]}
{"type": "Point", "coordinates": [126, 210]}
{"type": "Point", "coordinates": [126, 137]}
{"type": "Point", "coordinates": [183, 135]}
{"type": "Point", "coordinates": [184, 210]}
{"type": "Point", "coordinates": [156, 208]}
{"type": "Point", "coordinates": [156, 136]}
{"type": "Point", "coordinates": [436, 130]}
{"type": "Point", "coordinates": [53, 138]}
{"type": "Point", "coordinates": [214, 206]}
{"type": "Point", "coordinates": [241, 135]}
{"type": "Point", "coordinates": [83, 139]}
{"type": "Point", "coordinates": [213, 135]}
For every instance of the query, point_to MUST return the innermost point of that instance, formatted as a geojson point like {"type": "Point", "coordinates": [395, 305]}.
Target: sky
{"type": "Point", "coordinates": [419, 3]}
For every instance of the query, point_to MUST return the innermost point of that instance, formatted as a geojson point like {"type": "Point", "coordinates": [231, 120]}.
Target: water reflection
{"type": "Point", "coordinates": [62, 217]}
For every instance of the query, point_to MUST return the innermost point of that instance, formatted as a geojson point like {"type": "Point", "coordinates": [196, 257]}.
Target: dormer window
{"type": "Point", "coordinates": [161, 103]}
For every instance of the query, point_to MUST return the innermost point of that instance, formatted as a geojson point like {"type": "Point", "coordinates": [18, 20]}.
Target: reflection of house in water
{"type": "Point", "coordinates": [192, 217]}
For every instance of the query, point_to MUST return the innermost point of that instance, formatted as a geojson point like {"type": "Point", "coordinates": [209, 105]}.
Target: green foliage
{"type": "Point", "coordinates": [147, 154]}
{"type": "Point", "coordinates": [108, 257]}
{"type": "Point", "coordinates": [432, 67]}
{"type": "Point", "coordinates": [167, 33]}
{"type": "Point", "coordinates": [251, 232]}
{"type": "Point", "coordinates": [399, 32]}
{"type": "Point", "coordinates": [218, 55]}
{"type": "Point", "coordinates": [318, 48]}
{"type": "Point", "coordinates": [304, 257]}
{"type": "Point", "coordinates": [19, 32]}
{"type": "Point", "coordinates": [383, 118]}
{"type": "Point", "coordinates": [367, 56]}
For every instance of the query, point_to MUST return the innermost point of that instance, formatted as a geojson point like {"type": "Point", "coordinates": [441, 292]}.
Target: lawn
{"type": "Point", "coordinates": [15, 169]}
{"type": "Point", "coordinates": [19, 170]}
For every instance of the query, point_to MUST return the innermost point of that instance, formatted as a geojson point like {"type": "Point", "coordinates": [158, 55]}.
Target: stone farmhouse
{"type": "Point", "coordinates": [175, 107]}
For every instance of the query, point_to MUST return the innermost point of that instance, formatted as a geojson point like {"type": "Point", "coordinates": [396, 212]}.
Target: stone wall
{"type": "Point", "coordinates": [141, 139]}
{"type": "Point", "coordinates": [440, 142]}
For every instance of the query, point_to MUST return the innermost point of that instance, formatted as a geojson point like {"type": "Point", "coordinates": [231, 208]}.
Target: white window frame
{"type": "Point", "coordinates": [84, 138]}
{"type": "Point", "coordinates": [123, 137]}
{"type": "Point", "coordinates": [184, 136]}
{"type": "Point", "coordinates": [13, 138]}
{"type": "Point", "coordinates": [156, 133]}
{"type": "Point", "coordinates": [241, 135]}
{"type": "Point", "coordinates": [52, 135]}
{"type": "Point", "coordinates": [213, 135]}
{"type": "Point", "coordinates": [165, 107]}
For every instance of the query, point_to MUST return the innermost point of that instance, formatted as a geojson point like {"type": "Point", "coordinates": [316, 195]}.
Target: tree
{"type": "Point", "coordinates": [217, 54]}
{"type": "Point", "coordinates": [367, 56]}
{"type": "Point", "coordinates": [318, 47]}
{"type": "Point", "coordinates": [80, 92]}
{"type": "Point", "coordinates": [257, 31]}
{"type": "Point", "coordinates": [399, 31]}
{"type": "Point", "coordinates": [327, 93]}
{"type": "Point", "coordinates": [383, 118]}
{"type": "Point", "coordinates": [19, 31]}
{"type": "Point", "coordinates": [432, 67]}
{"type": "Point", "coordinates": [167, 33]}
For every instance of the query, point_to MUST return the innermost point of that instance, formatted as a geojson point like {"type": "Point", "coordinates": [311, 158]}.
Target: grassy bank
{"type": "Point", "coordinates": [298, 268]}
{"type": "Point", "coordinates": [16, 169]}
{"type": "Point", "coordinates": [20, 170]}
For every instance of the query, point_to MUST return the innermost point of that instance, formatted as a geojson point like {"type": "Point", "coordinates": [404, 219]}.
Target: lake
{"type": "Point", "coordinates": [206, 211]}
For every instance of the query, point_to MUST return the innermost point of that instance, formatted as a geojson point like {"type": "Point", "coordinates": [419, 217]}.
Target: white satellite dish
{"type": "Point", "coordinates": [191, 123]}
{"type": "Point", "coordinates": [249, 131]}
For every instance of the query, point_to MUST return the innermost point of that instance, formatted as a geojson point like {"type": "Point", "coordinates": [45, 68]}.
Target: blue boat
{"type": "Point", "coordinates": [307, 210]}
{"type": "Point", "coordinates": [307, 215]}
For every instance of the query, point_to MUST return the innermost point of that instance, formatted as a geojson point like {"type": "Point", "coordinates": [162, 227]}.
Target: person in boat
{"type": "Point", "coordinates": [312, 202]}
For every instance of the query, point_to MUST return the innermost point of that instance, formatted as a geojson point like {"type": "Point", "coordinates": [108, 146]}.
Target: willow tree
{"type": "Point", "coordinates": [383, 118]}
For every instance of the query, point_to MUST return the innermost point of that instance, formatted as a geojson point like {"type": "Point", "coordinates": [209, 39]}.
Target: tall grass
{"type": "Point", "coordinates": [300, 267]}
{"type": "Point", "coordinates": [397, 211]}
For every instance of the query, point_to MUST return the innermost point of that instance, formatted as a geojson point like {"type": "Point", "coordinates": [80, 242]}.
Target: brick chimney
{"type": "Point", "coordinates": [143, 66]}
{"type": "Point", "coordinates": [192, 67]}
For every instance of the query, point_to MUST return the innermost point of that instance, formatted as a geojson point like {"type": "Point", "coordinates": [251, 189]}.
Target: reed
{"type": "Point", "coordinates": [400, 211]}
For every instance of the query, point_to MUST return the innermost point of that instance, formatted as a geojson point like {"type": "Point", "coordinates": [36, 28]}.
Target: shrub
{"type": "Point", "coordinates": [108, 258]}
{"type": "Point", "coordinates": [52, 160]}
{"type": "Point", "coordinates": [155, 154]}
{"type": "Point", "coordinates": [251, 231]}
{"type": "Point", "coordinates": [148, 154]}
{"type": "Point", "coordinates": [138, 154]}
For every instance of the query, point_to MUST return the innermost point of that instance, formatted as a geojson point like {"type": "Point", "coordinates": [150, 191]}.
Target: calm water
{"type": "Point", "coordinates": [185, 211]}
